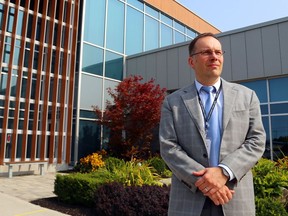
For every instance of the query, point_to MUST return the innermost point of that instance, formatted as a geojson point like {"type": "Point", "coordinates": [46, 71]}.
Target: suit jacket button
{"type": "Point", "coordinates": [205, 155]}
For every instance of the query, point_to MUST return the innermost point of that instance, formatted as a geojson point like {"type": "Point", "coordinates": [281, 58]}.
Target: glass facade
{"type": "Point", "coordinates": [113, 29]}
{"type": "Point", "coordinates": [273, 96]}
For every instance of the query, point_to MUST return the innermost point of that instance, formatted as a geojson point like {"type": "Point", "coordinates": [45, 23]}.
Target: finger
{"type": "Point", "coordinates": [200, 182]}
{"type": "Point", "coordinates": [199, 173]}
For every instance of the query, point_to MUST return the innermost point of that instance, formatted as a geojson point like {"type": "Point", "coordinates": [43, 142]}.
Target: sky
{"type": "Point", "coordinates": [228, 15]}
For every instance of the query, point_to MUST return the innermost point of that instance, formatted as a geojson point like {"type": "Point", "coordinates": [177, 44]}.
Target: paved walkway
{"type": "Point", "coordinates": [17, 192]}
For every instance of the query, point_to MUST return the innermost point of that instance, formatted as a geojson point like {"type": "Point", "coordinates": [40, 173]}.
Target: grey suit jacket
{"type": "Point", "coordinates": [182, 146]}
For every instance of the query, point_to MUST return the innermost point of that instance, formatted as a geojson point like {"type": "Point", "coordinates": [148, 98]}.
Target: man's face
{"type": "Point", "coordinates": [208, 62]}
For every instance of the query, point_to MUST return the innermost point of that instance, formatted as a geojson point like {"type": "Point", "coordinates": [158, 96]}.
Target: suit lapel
{"type": "Point", "coordinates": [229, 97]}
{"type": "Point", "coordinates": [190, 99]}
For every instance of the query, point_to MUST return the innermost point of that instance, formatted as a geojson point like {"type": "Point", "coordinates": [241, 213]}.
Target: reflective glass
{"type": "Point", "coordinates": [19, 146]}
{"type": "Point", "coordinates": [179, 37]}
{"type": "Point", "coordinates": [10, 19]}
{"type": "Point", "coordinates": [190, 33]}
{"type": "Point", "coordinates": [89, 138]}
{"type": "Point", "coordinates": [154, 13]}
{"type": "Point", "coordinates": [179, 26]}
{"type": "Point", "coordinates": [94, 21]}
{"type": "Point", "coordinates": [17, 52]}
{"type": "Point", "coordinates": [136, 4]}
{"type": "Point", "coordinates": [278, 89]}
{"type": "Point", "coordinates": [279, 108]}
{"type": "Point", "coordinates": [279, 135]}
{"type": "Point", "coordinates": [3, 83]}
{"type": "Point", "coordinates": [114, 66]}
{"type": "Point", "coordinates": [166, 35]}
{"type": "Point", "coordinates": [13, 83]}
{"type": "Point", "coordinates": [87, 114]}
{"type": "Point", "coordinates": [134, 31]}
{"type": "Point", "coordinates": [91, 92]}
{"type": "Point", "coordinates": [267, 153]}
{"type": "Point", "coordinates": [259, 87]}
{"type": "Point", "coordinates": [166, 19]}
{"type": "Point", "coordinates": [151, 34]}
{"type": "Point", "coordinates": [92, 59]}
{"type": "Point", "coordinates": [115, 26]}
{"type": "Point", "coordinates": [19, 22]}
{"type": "Point", "coordinates": [264, 109]}
{"type": "Point", "coordinates": [6, 56]}
{"type": "Point", "coordinates": [1, 14]}
{"type": "Point", "coordinates": [109, 84]}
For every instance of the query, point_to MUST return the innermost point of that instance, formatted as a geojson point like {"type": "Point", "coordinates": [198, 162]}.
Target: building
{"type": "Point", "coordinates": [58, 57]}
{"type": "Point", "coordinates": [255, 56]}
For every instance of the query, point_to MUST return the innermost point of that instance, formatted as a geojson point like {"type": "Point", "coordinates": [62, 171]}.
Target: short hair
{"type": "Point", "coordinates": [193, 42]}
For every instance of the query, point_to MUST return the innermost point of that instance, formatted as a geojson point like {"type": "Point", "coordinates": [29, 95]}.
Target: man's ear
{"type": "Point", "coordinates": [191, 61]}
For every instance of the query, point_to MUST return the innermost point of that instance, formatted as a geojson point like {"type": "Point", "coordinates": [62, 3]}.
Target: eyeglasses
{"type": "Point", "coordinates": [207, 53]}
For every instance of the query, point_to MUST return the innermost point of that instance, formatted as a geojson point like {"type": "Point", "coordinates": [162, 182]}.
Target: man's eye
{"type": "Point", "coordinates": [218, 52]}
{"type": "Point", "coordinates": [207, 52]}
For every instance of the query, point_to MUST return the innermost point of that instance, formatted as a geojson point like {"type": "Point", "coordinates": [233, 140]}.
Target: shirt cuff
{"type": "Point", "coordinates": [232, 176]}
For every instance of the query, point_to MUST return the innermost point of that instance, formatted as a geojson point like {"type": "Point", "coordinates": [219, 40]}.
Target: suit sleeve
{"type": "Point", "coordinates": [244, 138]}
{"type": "Point", "coordinates": [174, 154]}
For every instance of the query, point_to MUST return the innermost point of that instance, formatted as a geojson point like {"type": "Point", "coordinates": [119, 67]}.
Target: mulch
{"type": "Point", "coordinates": [54, 204]}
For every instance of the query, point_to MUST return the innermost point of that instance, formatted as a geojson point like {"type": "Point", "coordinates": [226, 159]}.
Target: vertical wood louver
{"type": "Point", "coordinates": [37, 69]}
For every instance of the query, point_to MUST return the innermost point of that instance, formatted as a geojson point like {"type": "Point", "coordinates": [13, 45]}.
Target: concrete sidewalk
{"type": "Point", "coordinates": [16, 194]}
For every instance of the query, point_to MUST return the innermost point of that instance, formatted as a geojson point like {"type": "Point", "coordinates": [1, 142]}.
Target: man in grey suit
{"type": "Point", "coordinates": [211, 173]}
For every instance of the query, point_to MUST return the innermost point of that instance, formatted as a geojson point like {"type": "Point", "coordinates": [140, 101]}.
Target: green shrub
{"type": "Point", "coordinates": [269, 180]}
{"type": "Point", "coordinates": [79, 188]}
{"type": "Point", "coordinates": [136, 173]}
{"type": "Point", "coordinates": [112, 163]}
{"type": "Point", "coordinates": [160, 167]}
{"type": "Point", "coordinates": [270, 207]}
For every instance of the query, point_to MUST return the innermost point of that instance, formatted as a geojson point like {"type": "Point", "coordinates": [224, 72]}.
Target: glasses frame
{"type": "Point", "coordinates": [209, 53]}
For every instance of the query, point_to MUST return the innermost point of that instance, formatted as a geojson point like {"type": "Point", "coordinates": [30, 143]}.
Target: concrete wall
{"type": "Point", "coordinates": [254, 52]}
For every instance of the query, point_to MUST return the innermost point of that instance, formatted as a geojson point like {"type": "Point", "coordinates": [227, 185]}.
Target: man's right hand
{"type": "Point", "coordinates": [222, 196]}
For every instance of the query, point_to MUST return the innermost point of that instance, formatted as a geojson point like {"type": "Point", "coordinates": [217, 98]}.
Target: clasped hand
{"type": "Point", "coordinates": [212, 184]}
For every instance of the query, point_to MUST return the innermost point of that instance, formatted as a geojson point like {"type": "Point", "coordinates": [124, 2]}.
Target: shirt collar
{"type": "Point", "coordinates": [199, 85]}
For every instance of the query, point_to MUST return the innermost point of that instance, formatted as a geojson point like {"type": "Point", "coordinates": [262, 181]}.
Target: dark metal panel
{"type": "Point", "coordinates": [172, 68]}
{"type": "Point", "coordinates": [283, 35]}
{"type": "Point", "coordinates": [271, 50]}
{"type": "Point", "coordinates": [239, 69]}
{"type": "Point", "coordinates": [254, 51]}
{"type": "Point", "coordinates": [227, 67]}
{"type": "Point", "coordinates": [185, 73]}
{"type": "Point", "coordinates": [151, 66]}
{"type": "Point", "coordinates": [161, 69]}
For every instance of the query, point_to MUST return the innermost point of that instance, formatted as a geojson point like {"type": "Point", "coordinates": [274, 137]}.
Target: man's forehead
{"type": "Point", "coordinates": [208, 42]}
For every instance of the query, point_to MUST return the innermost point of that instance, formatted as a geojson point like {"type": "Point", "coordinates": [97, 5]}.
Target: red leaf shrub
{"type": "Point", "coordinates": [132, 116]}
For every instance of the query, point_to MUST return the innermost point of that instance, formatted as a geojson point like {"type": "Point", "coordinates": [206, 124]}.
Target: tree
{"type": "Point", "coordinates": [132, 116]}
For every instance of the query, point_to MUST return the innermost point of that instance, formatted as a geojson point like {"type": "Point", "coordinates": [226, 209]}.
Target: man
{"type": "Point", "coordinates": [211, 162]}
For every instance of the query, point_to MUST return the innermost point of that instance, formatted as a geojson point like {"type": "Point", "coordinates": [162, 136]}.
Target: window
{"type": "Point", "coordinates": [134, 31]}
{"type": "Point", "coordinates": [115, 26]}
{"type": "Point", "coordinates": [114, 66]}
{"type": "Point", "coordinates": [151, 34]}
{"type": "Point", "coordinates": [94, 21]}
{"type": "Point", "coordinates": [92, 59]}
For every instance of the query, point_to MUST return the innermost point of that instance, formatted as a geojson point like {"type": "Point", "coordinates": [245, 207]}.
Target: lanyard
{"type": "Point", "coordinates": [207, 117]}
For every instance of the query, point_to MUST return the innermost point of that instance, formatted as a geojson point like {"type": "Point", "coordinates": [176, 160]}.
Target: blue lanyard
{"type": "Point", "coordinates": [207, 117]}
